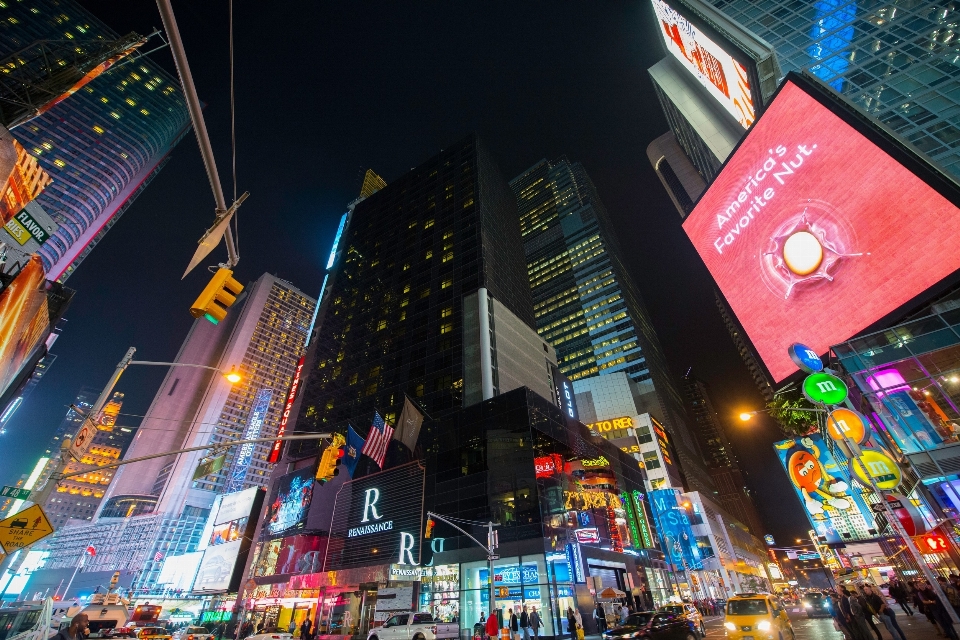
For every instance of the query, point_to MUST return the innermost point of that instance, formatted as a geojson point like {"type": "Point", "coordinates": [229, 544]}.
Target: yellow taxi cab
{"type": "Point", "coordinates": [153, 633]}
{"type": "Point", "coordinates": [757, 616]}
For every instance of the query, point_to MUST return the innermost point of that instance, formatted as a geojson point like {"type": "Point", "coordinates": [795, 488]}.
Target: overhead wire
{"type": "Point", "coordinates": [233, 134]}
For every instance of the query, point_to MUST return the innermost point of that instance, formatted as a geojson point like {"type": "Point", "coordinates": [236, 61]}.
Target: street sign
{"type": "Point", "coordinates": [844, 422]}
{"type": "Point", "coordinates": [14, 492]}
{"type": "Point", "coordinates": [493, 557]}
{"type": "Point", "coordinates": [823, 388]}
{"type": "Point", "coordinates": [805, 358]}
{"type": "Point", "coordinates": [82, 441]}
{"type": "Point", "coordinates": [879, 508]}
{"type": "Point", "coordinates": [881, 467]}
{"type": "Point", "coordinates": [207, 467]}
{"type": "Point", "coordinates": [24, 528]}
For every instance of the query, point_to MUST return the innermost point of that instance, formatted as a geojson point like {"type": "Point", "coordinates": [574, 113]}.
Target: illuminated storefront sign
{"type": "Point", "coordinates": [603, 426]}
{"type": "Point", "coordinates": [574, 562]}
{"type": "Point", "coordinates": [675, 530]}
{"type": "Point", "coordinates": [577, 500]}
{"type": "Point", "coordinates": [590, 535]}
{"type": "Point", "coordinates": [803, 230]}
{"type": "Point", "coordinates": [379, 516]}
{"type": "Point", "coordinates": [595, 462]}
{"type": "Point", "coordinates": [642, 521]}
{"type": "Point", "coordinates": [285, 417]}
{"type": "Point", "coordinates": [547, 466]}
{"type": "Point", "coordinates": [663, 441]}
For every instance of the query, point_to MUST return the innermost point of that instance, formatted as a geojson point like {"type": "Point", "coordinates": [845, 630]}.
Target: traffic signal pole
{"type": "Point", "coordinates": [199, 125]}
{"type": "Point", "coordinates": [492, 543]}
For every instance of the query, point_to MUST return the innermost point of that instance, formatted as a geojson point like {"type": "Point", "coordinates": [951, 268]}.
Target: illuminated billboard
{"type": "Point", "coordinates": [724, 77]}
{"type": "Point", "coordinates": [835, 506]}
{"type": "Point", "coordinates": [814, 232]}
{"type": "Point", "coordinates": [287, 512]}
{"type": "Point", "coordinates": [24, 320]}
{"type": "Point", "coordinates": [21, 180]}
{"type": "Point", "coordinates": [225, 541]}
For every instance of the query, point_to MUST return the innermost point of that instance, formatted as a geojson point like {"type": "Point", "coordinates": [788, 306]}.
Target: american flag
{"type": "Point", "coordinates": [377, 440]}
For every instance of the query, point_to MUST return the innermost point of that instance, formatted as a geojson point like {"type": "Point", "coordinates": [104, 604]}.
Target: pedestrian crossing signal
{"type": "Point", "coordinates": [222, 290]}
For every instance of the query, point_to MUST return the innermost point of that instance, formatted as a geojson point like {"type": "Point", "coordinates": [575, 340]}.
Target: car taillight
{"type": "Point", "coordinates": [433, 629]}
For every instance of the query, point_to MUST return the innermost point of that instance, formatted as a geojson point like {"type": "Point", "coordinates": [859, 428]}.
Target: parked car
{"type": "Point", "coordinates": [153, 633]}
{"type": "Point", "coordinates": [413, 625]}
{"type": "Point", "coordinates": [653, 625]}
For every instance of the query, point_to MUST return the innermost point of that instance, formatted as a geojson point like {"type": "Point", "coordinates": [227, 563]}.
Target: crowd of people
{"type": "Point", "coordinates": [857, 609]}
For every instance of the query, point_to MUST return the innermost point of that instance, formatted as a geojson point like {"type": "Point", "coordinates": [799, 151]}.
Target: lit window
{"type": "Point", "coordinates": [428, 224]}
{"type": "Point", "coordinates": [98, 128]}
{"type": "Point", "coordinates": [47, 146]}
{"type": "Point", "coordinates": [446, 283]}
{"type": "Point", "coordinates": [446, 313]}
{"type": "Point", "coordinates": [428, 255]}
{"type": "Point", "coordinates": [130, 101]}
{"type": "Point", "coordinates": [381, 325]}
{"type": "Point", "coordinates": [59, 163]}
{"type": "Point", "coordinates": [447, 234]}
{"type": "Point", "coordinates": [104, 99]}
{"type": "Point", "coordinates": [114, 114]}
{"type": "Point", "coordinates": [144, 112]}
{"type": "Point", "coordinates": [447, 257]}
{"type": "Point", "coordinates": [447, 327]}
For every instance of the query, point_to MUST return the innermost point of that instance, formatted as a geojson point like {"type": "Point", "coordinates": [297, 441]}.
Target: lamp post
{"type": "Point", "coordinates": [41, 498]}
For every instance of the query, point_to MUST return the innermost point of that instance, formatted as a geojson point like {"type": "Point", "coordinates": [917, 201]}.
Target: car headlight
{"type": "Point", "coordinates": [730, 626]}
{"type": "Point", "coordinates": [806, 605]}
{"type": "Point", "coordinates": [764, 625]}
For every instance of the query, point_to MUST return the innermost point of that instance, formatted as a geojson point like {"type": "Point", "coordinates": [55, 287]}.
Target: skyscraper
{"type": "Point", "coordinates": [263, 337]}
{"type": "Point", "coordinates": [412, 254]}
{"type": "Point", "coordinates": [584, 302]}
{"type": "Point", "coordinates": [78, 497]}
{"type": "Point", "coordinates": [721, 459]}
{"type": "Point", "coordinates": [103, 144]}
{"type": "Point", "coordinates": [896, 61]}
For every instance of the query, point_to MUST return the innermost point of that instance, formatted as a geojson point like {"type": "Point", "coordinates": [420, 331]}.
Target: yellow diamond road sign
{"type": "Point", "coordinates": [24, 528]}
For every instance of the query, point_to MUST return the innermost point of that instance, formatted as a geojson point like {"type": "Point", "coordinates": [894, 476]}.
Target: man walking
{"type": "Point", "coordinates": [535, 623]}
{"type": "Point", "coordinates": [879, 607]}
{"type": "Point", "coordinates": [899, 594]}
{"type": "Point", "coordinates": [514, 625]}
{"type": "Point", "coordinates": [493, 626]}
{"type": "Point", "coordinates": [601, 617]}
{"type": "Point", "coordinates": [305, 628]}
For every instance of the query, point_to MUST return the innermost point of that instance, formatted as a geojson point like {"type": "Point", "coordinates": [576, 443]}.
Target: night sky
{"type": "Point", "coordinates": [324, 91]}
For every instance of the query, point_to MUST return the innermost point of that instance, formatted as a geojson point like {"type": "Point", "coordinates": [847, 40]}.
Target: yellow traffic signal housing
{"type": "Point", "coordinates": [222, 290]}
{"type": "Point", "coordinates": [429, 531]}
{"type": "Point", "coordinates": [329, 463]}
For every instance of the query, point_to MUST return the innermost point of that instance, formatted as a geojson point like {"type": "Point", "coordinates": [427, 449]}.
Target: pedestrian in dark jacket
{"type": "Point", "coordinates": [899, 593]}
{"type": "Point", "coordinates": [880, 608]}
{"type": "Point", "coordinates": [938, 612]}
{"type": "Point", "coordinates": [867, 614]}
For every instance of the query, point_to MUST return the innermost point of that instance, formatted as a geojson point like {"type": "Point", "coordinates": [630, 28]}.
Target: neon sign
{"type": "Point", "coordinates": [595, 462]}
{"type": "Point", "coordinates": [285, 417]}
{"type": "Point", "coordinates": [625, 422]}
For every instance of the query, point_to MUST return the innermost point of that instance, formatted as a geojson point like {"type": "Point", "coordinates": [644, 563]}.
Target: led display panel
{"type": "Point", "coordinates": [724, 78]}
{"type": "Point", "coordinates": [813, 232]}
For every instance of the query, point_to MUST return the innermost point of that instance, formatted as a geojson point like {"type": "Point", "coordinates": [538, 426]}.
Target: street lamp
{"type": "Point", "coordinates": [747, 415]}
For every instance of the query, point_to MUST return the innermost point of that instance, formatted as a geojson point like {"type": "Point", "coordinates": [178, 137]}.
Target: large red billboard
{"type": "Point", "coordinates": [813, 232]}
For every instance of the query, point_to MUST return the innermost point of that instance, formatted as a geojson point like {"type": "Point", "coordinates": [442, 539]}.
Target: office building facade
{"type": "Point", "coordinates": [104, 144]}
{"type": "Point", "coordinates": [413, 252]}
{"type": "Point", "coordinates": [897, 61]}
{"type": "Point", "coordinates": [78, 497]}
{"type": "Point", "coordinates": [263, 337]}
{"type": "Point", "coordinates": [721, 459]}
{"type": "Point", "coordinates": [585, 304]}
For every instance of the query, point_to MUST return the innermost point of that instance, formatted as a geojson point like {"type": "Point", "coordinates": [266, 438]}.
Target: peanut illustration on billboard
{"type": "Point", "coordinates": [811, 229]}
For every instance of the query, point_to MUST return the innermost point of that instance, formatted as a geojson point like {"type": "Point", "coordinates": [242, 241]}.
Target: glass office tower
{"type": "Point", "coordinates": [898, 61]}
{"type": "Point", "coordinates": [411, 253]}
{"type": "Point", "coordinates": [584, 303]}
{"type": "Point", "coordinates": [101, 146]}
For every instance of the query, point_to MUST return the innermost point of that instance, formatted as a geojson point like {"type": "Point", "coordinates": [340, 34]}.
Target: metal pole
{"type": "Point", "coordinates": [79, 564]}
{"type": "Point", "coordinates": [196, 116]}
{"type": "Point", "coordinates": [44, 494]}
{"type": "Point", "coordinates": [490, 567]}
{"type": "Point", "coordinates": [894, 521]}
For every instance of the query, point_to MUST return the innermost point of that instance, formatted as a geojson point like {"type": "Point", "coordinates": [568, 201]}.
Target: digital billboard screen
{"type": "Point", "coordinates": [813, 232]}
{"type": "Point", "coordinates": [24, 320]}
{"type": "Point", "coordinates": [290, 504]}
{"type": "Point", "coordinates": [724, 77]}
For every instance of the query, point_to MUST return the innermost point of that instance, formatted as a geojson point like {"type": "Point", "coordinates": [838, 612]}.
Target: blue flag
{"type": "Point", "coordinates": [351, 452]}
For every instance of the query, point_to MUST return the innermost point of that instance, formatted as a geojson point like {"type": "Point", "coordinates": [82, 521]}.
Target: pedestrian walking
{"type": "Point", "coordinates": [514, 625]}
{"type": "Point", "coordinates": [839, 619]}
{"type": "Point", "coordinates": [867, 614]}
{"type": "Point", "coordinates": [535, 623]}
{"type": "Point", "coordinates": [938, 611]}
{"type": "Point", "coordinates": [854, 615]}
{"type": "Point", "coordinates": [525, 623]}
{"type": "Point", "coordinates": [879, 607]}
{"type": "Point", "coordinates": [306, 628]}
{"type": "Point", "coordinates": [899, 594]}
{"type": "Point", "coordinates": [951, 591]}
{"type": "Point", "coordinates": [493, 626]}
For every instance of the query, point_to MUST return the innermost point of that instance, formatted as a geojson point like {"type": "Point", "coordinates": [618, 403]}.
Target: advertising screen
{"type": "Point", "coordinates": [217, 566]}
{"type": "Point", "coordinates": [724, 78]}
{"type": "Point", "coordinates": [378, 514]}
{"type": "Point", "coordinates": [21, 178]}
{"type": "Point", "coordinates": [234, 506]}
{"type": "Point", "coordinates": [24, 320]}
{"type": "Point", "coordinates": [834, 505]}
{"type": "Point", "coordinates": [289, 506]}
{"type": "Point", "coordinates": [813, 232]}
{"type": "Point", "coordinates": [676, 533]}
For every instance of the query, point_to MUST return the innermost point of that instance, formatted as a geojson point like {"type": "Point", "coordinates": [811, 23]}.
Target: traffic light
{"type": "Point", "coordinates": [329, 463]}
{"type": "Point", "coordinates": [429, 531]}
{"type": "Point", "coordinates": [222, 290]}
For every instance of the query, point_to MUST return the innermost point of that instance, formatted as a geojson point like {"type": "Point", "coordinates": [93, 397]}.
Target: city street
{"type": "Point", "coordinates": [914, 627]}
